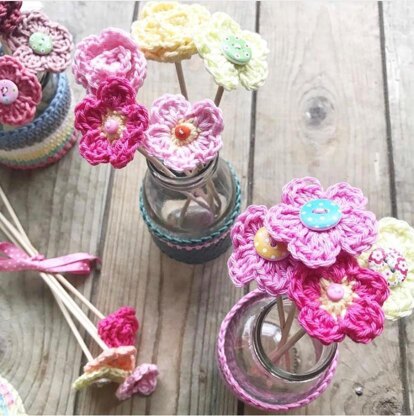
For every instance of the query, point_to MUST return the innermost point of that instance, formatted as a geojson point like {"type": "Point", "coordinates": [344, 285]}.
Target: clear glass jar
{"type": "Point", "coordinates": [249, 337]}
{"type": "Point", "coordinates": [190, 216]}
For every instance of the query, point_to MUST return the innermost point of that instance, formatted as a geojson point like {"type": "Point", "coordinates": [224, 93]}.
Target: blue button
{"type": "Point", "coordinates": [320, 214]}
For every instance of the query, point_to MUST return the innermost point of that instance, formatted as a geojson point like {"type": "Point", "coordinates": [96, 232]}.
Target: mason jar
{"type": "Point", "coordinates": [190, 217]}
{"type": "Point", "coordinates": [249, 337]}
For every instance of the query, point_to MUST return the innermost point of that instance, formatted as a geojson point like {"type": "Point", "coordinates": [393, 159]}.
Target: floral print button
{"type": "Point", "coordinates": [236, 50]}
{"type": "Point", "coordinates": [320, 214]}
{"type": "Point", "coordinates": [41, 43]}
{"type": "Point", "coordinates": [267, 248]}
{"type": "Point", "coordinates": [8, 92]}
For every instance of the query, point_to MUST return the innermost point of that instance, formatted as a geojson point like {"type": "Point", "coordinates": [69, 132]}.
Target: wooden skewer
{"type": "Point", "coordinates": [288, 345]}
{"type": "Point", "coordinates": [281, 312]}
{"type": "Point", "coordinates": [181, 79]}
{"type": "Point", "coordinates": [219, 95]}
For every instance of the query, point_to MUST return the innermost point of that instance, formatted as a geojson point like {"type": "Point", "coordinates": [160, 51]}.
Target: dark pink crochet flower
{"type": "Point", "coordinates": [318, 224]}
{"type": "Point", "coordinates": [20, 92]}
{"type": "Point", "coordinates": [10, 15]}
{"type": "Point", "coordinates": [112, 123]}
{"type": "Point", "coordinates": [119, 328]}
{"type": "Point", "coordinates": [182, 135]}
{"type": "Point", "coordinates": [256, 256]}
{"type": "Point", "coordinates": [338, 301]}
{"type": "Point", "coordinates": [142, 381]}
{"type": "Point", "coordinates": [40, 44]}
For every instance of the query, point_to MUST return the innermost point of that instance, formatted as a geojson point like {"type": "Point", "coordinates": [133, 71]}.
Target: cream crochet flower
{"type": "Point", "coordinates": [214, 42]}
{"type": "Point", "coordinates": [164, 30]}
{"type": "Point", "coordinates": [396, 235]}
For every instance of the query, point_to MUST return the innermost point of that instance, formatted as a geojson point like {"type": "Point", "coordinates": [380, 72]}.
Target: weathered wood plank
{"type": "Point", "coordinates": [180, 306]}
{"type": "Point", "coordinates": [62, 209]}
{"type": "Point", "coordinates": [322, 114]}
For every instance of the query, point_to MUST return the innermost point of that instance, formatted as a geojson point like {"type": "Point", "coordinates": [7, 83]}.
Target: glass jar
{"type": "Point", "coordinates": [249, 336]}
{"type": "Point", "coordinates": [190, 217]}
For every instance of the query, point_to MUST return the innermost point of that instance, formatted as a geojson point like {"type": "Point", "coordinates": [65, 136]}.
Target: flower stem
{"type": "Point", "coordinates": [219, 95]}
{"type": "Point", "coordinates": [181, 80]}
{"type": "Point", "coordinates": [288, 345]}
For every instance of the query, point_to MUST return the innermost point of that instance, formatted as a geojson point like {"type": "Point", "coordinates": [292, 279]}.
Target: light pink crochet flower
{"type": "Point", "coordinates": [318, 224]}
{"type": "Point", "coordinates": [111, 53]}
{"type": "Point", "coordinates": [10, 15]}
{"type": "Point", "coordinates": [40, 44]}
{"type": "Point", "coordinates": [341, 300]}
{"type": "Point", "coordinates": [184, 136]}
{"type": "Point", "coordinates": [112, 124]}
{"type": "Point", "coordinates": [20, 92]}
{"type": "Point", "coordinates": [142, 381]}
{"type": "Point", "coordinates": [253, 250]}
{"type": "Point", "coordinates": [119, 328]}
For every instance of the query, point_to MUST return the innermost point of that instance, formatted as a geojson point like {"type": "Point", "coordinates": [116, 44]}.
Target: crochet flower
{"type": "Point", "coordinates": [112, 124]}
{"type": "Point", "coordinates": [40, 44]}
{"type": "Point", "coordinates": [122, 358]}
{"type": "Point", "coordinates": [119, 328]}
{"type": "Point", "coordinates": [338, 301]}
{"type": "Point", "coordinates": [111, 53]}
{"type": "Point", "coordinates": [256, 256]}
{"type": "Point", "coordinates": [233, 56]}
{"type": "Point", "coordinates": [102, 375]}
{"type": "Point", "coordinates": [318, 224]}
{"type": "Point", "coordinates": [184, 136]}
{"type": "Point", "coordinates": [142, 381]}
{"type": "Point", "coordinates": [393, 257]}
{"type": "Point", "coordinates": [20, 92]}
{"type": "Point", "coordinates": [164, 30]}
{"type": "Point", "coordinates": [10, 15]}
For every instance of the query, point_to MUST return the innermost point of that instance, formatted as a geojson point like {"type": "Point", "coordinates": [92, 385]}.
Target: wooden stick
{"type": "Point", "coordinates": [219, 95]}
{"type": "Point", "coordinates": [181, 79]}
{"type": "Point", "coordinates": [281, 312]}
{"type": "Point", "coordinates": [288, 345]}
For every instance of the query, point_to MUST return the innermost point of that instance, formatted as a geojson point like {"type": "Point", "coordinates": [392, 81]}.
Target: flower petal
{"type": "Point", "coordinates": [346, 196]}
{"type": "Point", "coordinates": [247, 224]}
{"type": "Point", "coordinates": [169, 109]}
{"type": "Point", "coordinates": [142, 381]}
{"type": "Point", "coordinates": [301, 190]}
{"type": "Point", "coordinates": [282, 222]}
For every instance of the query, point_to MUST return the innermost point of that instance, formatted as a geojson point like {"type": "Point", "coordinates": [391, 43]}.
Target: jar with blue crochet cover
{"type": "Point", "coordinates": [189, 217]}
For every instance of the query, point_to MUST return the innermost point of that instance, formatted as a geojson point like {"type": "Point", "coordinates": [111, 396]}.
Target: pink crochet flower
{"type": "Point", "coordinates": [256, 256]}
{"type": "Point", "coordinates": [119, 328]}
{"type": "Point", "coordinates": [318, 224]}
{"type": "Point", "coordinates": [142, 381]}
{"type": "Point", "coordinates": [112, 123]}
{"type": "Point", "coordinates": [111, 53]}
{"type": "Point", "coordinates": [184, 136]}
{"type": "Point", "coordinates": [20, 92]}
{"type": "Point", "coordinates": [40, 44]}
{"type": "Point", "coordinates": [341, 300]}
{"type": "Point", "coordinates": [10, 15]}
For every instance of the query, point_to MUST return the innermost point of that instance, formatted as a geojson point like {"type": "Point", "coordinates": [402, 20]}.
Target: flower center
{"type": "Point", "coordinates": [335, 292]}
{"type": "Point", "coordinates": [236, 50]}
{"type": "Point", "coordinates": [390, 263]}
{"type": "Point", "coordinates": [184, 133]}
{"type": "Point", "coordinates": [41, 43]}
{"type": "Point", "coordinates": [113, 125]}
{"type": "Point", "coordinates": [267, 248]}
{"type": "Point", "coordinates": [8, 92]}
{"type": "Point", "coordinates": [320, 214]}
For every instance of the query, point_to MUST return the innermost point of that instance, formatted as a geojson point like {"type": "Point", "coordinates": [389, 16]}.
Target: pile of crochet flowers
{"type": "Point", "coordinates": [345, 271]}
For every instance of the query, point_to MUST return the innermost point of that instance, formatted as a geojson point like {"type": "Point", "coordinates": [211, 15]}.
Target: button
{"type": "Point", "coordinates": [320, 214]}
{"type": "Point", "coordinates": [236, 50]}
{"type": "Point", "coordinates": [8, 92]}
{"type": "Point", "coordinates": [335, 292]}
{"type": "Point", "coordinates": [267, 248]}
{"type": "Point", "coordinates": [182, 132]}
{"type": "Point", "coordinates": [41, 43]}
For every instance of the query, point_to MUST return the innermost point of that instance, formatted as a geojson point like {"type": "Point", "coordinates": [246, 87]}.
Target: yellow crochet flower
{"type": "Point", "coordinates": [116, 375]}
{"type": "Point", "coordinates": [233, 56]}
{"type": "Point", "coordinates": [396, 236]}
{"type": "Point", "coordinates": [164, 30]}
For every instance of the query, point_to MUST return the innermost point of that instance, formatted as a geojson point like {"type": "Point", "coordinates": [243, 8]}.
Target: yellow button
{"type": "Point", "coordinates": [267, 248]}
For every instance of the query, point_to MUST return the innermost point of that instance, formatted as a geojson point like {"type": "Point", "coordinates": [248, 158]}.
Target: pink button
{"type": "Point", "coordinates": [8, 92]}
{"type": "Point", "coordinates": [335, 292]}
{"type": "Point", "coordinates": [111, 126]}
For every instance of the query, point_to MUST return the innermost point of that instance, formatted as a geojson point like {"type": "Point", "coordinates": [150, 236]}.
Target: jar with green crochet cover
{"type": "Point", "coordinates": [189, 217]}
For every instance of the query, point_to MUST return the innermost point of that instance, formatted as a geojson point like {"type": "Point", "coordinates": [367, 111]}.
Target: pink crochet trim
{"type": "Point", "coordinates": [245, 264]}
{"type": "Point", "coordinates": [112, 124]}
{"type": "Point", "coordinates": [342, 300]}
{"type": "Point", "coordinates": [23, 109]}
{"type": "Point", "coordinates": [142, 381]}
{"type": "Point", "coordinates": [354, 233]}
{"type": "Point", "coordinates": [18, 42]}
{"type": "Point", "coordinates": [10, 15]}
{"type": "Point", "coordinates": [119, 328]}
{"type": "Point", "coordinates": [184, 136]}
{"type": "Point", "coordinates": [111, 53]}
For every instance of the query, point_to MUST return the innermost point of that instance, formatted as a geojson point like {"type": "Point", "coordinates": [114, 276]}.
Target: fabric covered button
{"type": "Point", "coordinates": [320, 214]}
{"type": "Point", "coordinates": [267, 248]}
{"type": "Point", "coordinates": [41, 43]}
{"type": "Point", "coordinates": [236, 50]}
{"type": "Point", "coordinates": [335, 292]}
{"type": "Point", "coordinates": [8, 92]}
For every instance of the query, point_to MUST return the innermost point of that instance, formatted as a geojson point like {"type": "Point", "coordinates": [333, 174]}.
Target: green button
{"type": "Point", "coordinates": [41, 43]}
{"type": "Point", "coordinates": [236, 50]}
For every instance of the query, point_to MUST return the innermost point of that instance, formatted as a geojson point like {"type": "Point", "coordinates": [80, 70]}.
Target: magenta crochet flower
{"type": "Point", "coordinates": [119, 328]}
{"type": "Point", "coordinates": [112, 124]}
{"type": "Point", "coordinates": [338, 301]}
{"type": "Point", "coordinates": [10, 15]}
{"type": "Point", "coordinates": [256, 256]}
{"type": "Point", "coordinates": [318, 224]}
{"type": "Point", "coordinates": [20, 92]}
{"type": "Point", "coordinates": [184, 136]}
{"type": "Point", "coordinates": [111, 53]}
{"type": "Point", "coordinates": [40, 44]}
{"type": "Point", "coordinates": [142, 381]}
